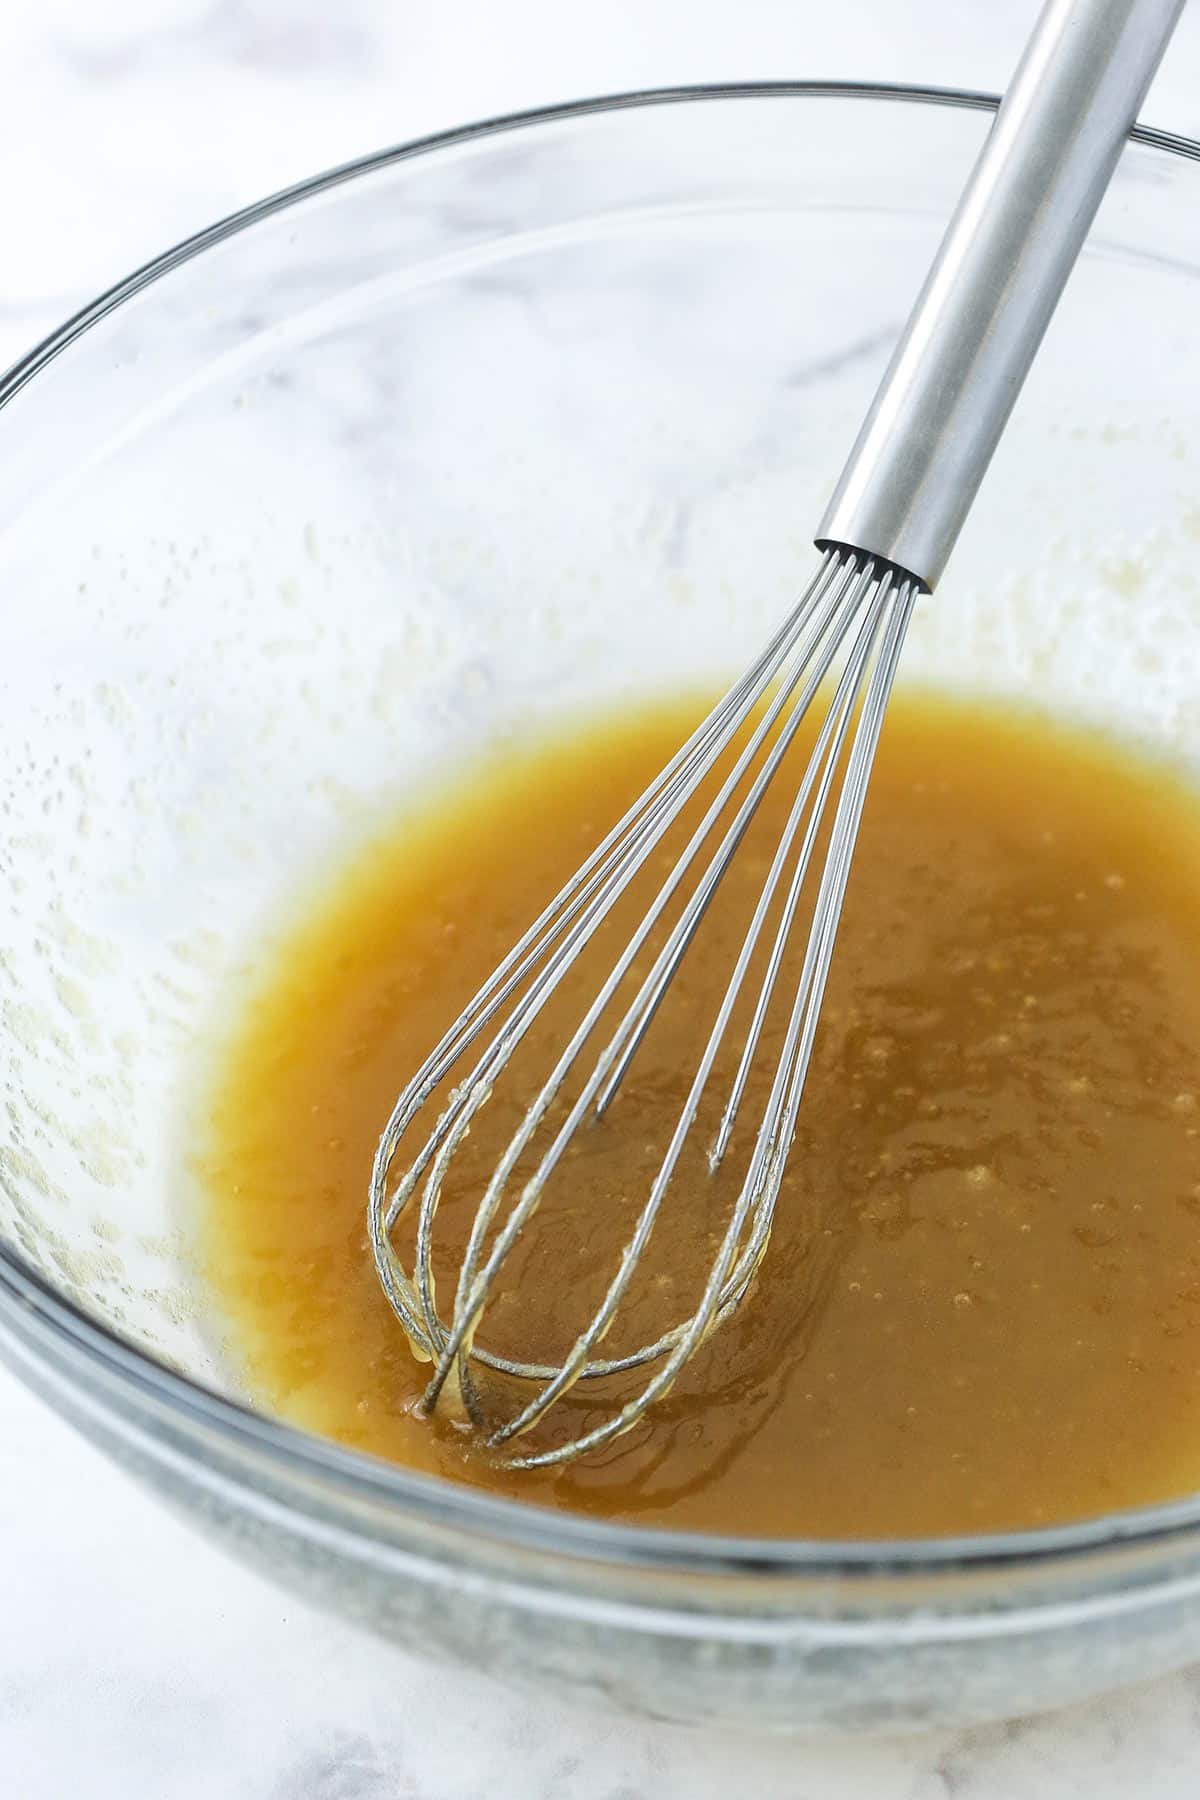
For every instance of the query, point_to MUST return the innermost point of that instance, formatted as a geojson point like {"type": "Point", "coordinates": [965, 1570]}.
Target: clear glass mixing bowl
{"type": "Point", "coordinates": [464, 435]}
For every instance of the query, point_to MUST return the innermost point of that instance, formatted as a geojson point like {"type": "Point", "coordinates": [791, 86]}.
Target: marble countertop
{"type": "Point", "coordinates": [135, 1660]}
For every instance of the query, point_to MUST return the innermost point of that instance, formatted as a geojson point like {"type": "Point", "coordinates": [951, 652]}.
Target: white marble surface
{"type": "Point", "coordinates": [134, 1659]}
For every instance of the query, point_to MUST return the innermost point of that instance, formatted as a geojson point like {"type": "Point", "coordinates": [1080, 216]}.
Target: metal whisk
{"type": "Point", "coordinates": [895, 514]}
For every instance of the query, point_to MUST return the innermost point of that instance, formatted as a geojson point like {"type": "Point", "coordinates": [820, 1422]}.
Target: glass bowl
{"type": "Point", "coordinates": [529, 416]}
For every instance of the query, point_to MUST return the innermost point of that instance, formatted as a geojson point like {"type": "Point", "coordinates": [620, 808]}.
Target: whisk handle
{"type": "Point", "coordinates": [1008, 250]}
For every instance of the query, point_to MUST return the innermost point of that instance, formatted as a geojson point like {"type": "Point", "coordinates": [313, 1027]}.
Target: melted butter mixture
{"type": "Point", "coordinates": [980, 1307]}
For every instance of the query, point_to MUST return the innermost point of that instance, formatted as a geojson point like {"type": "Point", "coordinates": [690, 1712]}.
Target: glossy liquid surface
{"type": "Point", "coordinates": [980, 1308]}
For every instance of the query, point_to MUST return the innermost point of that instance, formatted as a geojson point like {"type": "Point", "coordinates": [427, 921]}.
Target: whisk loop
{"type": "Point", "coordinates": [853, 605]}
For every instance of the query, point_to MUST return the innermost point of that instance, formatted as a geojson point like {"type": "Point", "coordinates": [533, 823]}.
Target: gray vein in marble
{"type": "Point", "coordinates": [273, 42]}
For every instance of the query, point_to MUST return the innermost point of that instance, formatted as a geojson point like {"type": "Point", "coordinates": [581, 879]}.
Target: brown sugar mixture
{"type": "Point", "coordinates": [980, 1307]}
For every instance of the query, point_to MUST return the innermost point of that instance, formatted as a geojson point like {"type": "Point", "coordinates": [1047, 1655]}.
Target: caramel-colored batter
{"type": "Point", "coordinates": [980, 1308]}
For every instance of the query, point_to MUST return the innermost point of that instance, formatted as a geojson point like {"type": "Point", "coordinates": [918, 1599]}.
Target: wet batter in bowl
{"type": "Point", "coordinates": [980, 1309]}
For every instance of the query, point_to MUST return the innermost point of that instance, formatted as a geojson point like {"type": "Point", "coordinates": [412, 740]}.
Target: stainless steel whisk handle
{"type": "Point", "coordinates": [1008, 250]}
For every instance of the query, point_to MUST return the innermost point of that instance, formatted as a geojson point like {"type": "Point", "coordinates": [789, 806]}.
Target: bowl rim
{"type": "Point", "coordinates": [46, 1325]}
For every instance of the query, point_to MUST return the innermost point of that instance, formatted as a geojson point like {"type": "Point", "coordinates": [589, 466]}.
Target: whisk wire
{"type": "Point", "coordinates": [733, 1270]}
{"type": "Point", "coordinates": [832, 622]}
{"type": "Point", "coordinates": [638, 1019]}
{"type": "Point", "coordinates": [849, 593]}
{"type": "Point", "coordinates": [828, 756]}
{"type": "Point", "coordinates": [678, 776]}
{"type": "Point", "coordinates": [783, 1105]}
{"type": "Point", "coordinates": [610, 884]}
{"type": "Point", "coordinates": [664, 797]}
{"type": "Point", "coordinates": [666, 967]}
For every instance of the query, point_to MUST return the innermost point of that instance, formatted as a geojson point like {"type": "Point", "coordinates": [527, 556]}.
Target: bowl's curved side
{"type": "Point", "coordinates": [783, 1651]}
